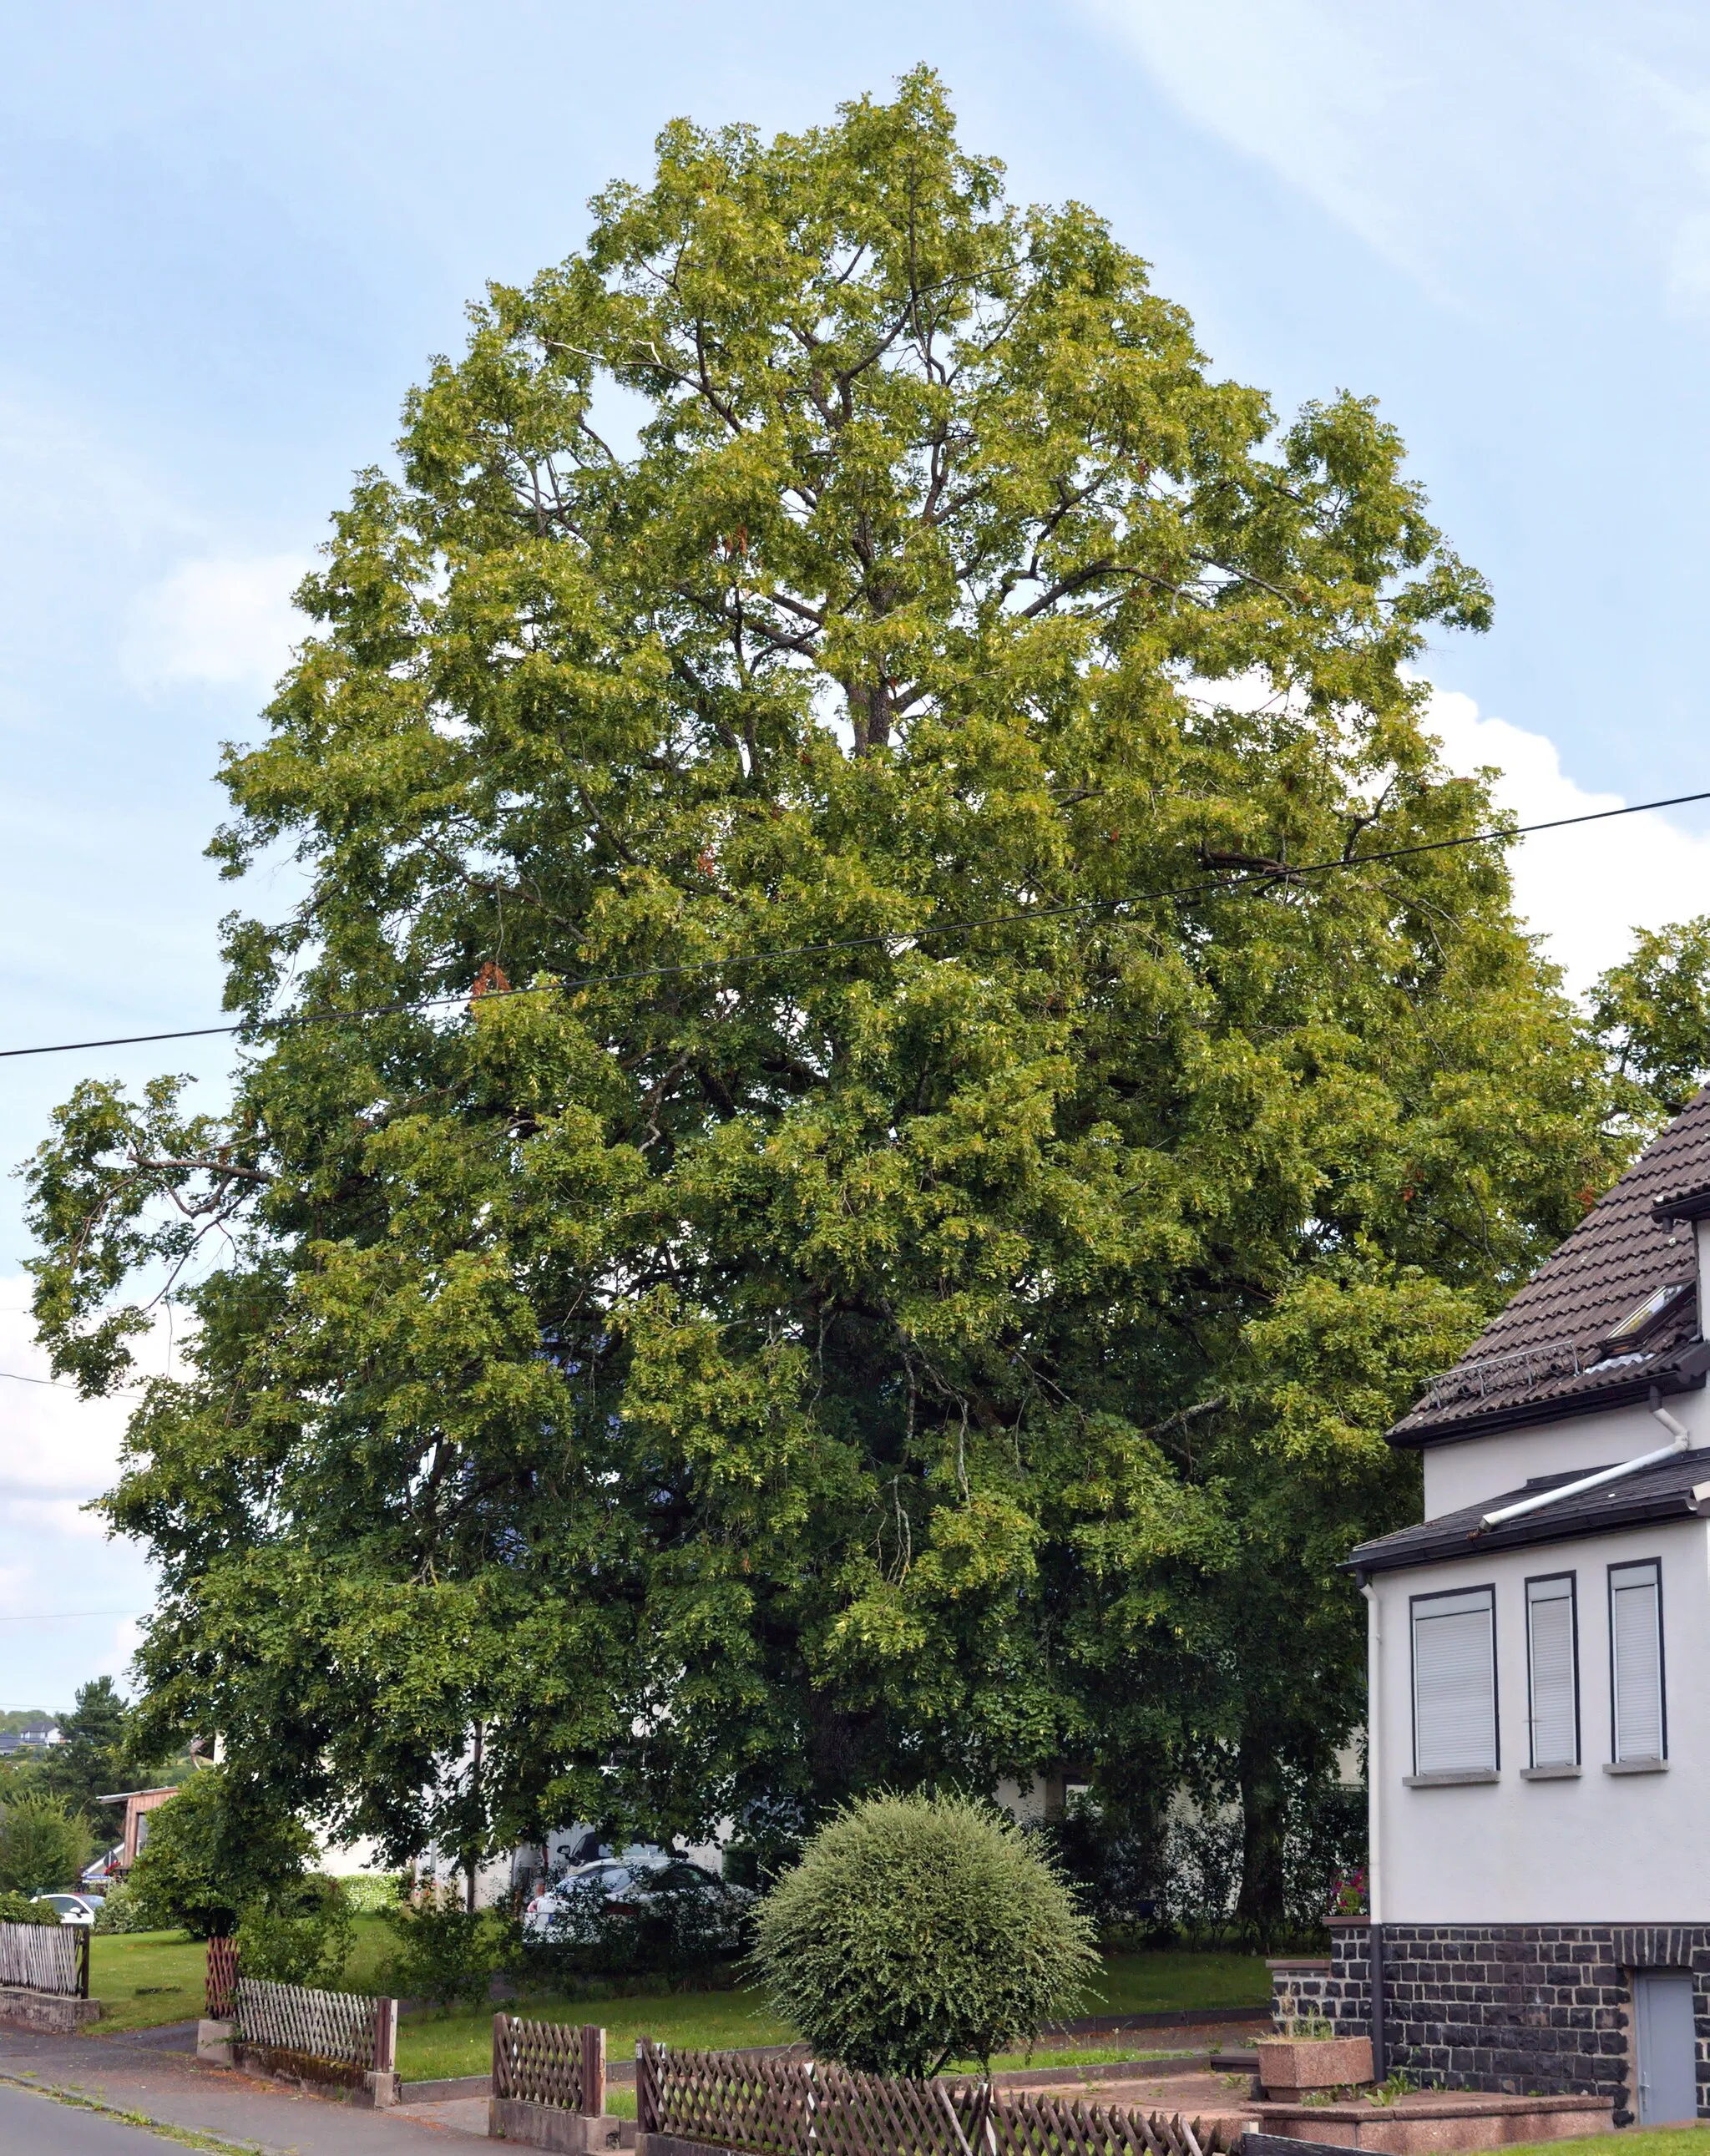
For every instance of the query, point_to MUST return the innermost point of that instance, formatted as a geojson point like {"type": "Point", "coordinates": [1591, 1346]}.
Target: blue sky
{"type": "Point", "coordinates": [231, 238]}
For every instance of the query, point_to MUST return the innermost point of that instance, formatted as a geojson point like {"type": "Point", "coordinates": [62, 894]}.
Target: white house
{"type": "Point", "coordinates": [1539, 1727]}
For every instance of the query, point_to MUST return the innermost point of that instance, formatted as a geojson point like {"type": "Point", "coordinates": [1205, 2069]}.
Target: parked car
{"type": "Point", "coordinates": [637, 1911]}
{"type": "Point", "coordinates": [80, 1909]}
{"type": "Point", "coordinates": [609, 1882]}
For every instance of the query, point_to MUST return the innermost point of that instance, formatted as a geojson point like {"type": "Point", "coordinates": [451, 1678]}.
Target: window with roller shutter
{"type": "Point", "coordinates": [1639, 1724]}
{"type": "Point", "coordinates": [1455, 1682]}
{"type": "Point", "coordinates": [1552, 1670]}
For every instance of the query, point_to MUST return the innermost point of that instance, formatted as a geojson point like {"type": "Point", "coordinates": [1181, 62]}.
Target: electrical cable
{"type": "Point", "coordinates": [22, 1377]}
{"type": "Point", "coordinates": [61, 1617]}
{"type": "Point", "coordinates": [1235, 879]}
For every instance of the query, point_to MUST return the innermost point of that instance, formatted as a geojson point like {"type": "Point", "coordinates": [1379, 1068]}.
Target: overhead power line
{"type": "Point", "coordinates": [1231, 879]}
{"type": "Point", "coordinates": [23, 1378]}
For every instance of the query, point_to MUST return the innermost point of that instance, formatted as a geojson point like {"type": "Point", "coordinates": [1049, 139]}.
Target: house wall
{"type": "Point", "coordinates": [1597, 1849]}
{"type": "Point", "coordinates": [1544, 2008]}
{"type": "Point", "coordinates": [1457, 1476]}
{"type": "Point", "coordinates": [137, 1811]}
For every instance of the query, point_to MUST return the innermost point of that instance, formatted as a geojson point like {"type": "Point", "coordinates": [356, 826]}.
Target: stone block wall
{"type": "Point", "coordinates": [1339, 1990]}
{"type": "Point", "coordinates": [1516, 2009]}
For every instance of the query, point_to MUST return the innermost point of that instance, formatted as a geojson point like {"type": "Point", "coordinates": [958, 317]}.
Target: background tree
{"type": "Point", "coordinates": [92, 1761]}
{"type": "Point", "coordinates": [44, 1846]}
{"type": "Point", "coordinates": [912, 1288]}
{"type": "Point", "coordinates": [219, 1847]}
{"type": "Point", "coordinates": [1652, 1013]}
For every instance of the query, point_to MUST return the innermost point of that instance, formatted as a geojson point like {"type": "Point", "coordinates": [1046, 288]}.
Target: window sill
{"type": "Point", "coordinates": [1450, 1777]}
{"type": "Point", "coordinates": [1559, 1773]}
{"type": "Point", "coordinates": [1636, 1766]}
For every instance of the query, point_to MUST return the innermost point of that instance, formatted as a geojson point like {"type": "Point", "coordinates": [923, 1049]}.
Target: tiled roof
{"type": "Point", "coordinates": [1663, 1492]}
{"type": "Point", "coordinates": [1544, 1355]}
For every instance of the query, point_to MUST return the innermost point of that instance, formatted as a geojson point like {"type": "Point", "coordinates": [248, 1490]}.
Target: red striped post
{"type": "Point", "coordinates": [594, 2070]}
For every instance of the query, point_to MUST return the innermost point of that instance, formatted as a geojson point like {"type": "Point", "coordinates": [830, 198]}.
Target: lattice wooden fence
{"type": "Point", "coordinates": [221, 1983]}
{"type": "Point", "coordinates": [783, 2106]}
{"type": "Point", "coordinates": [46, 1958]}
{"type": "Point", "coordinates": [549, 2062]}
{"type": "Point", "coordinates": [317, 2036]}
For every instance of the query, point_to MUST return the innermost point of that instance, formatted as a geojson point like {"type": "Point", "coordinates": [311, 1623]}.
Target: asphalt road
{"type": "Point", "coordinates": [37, 2126]}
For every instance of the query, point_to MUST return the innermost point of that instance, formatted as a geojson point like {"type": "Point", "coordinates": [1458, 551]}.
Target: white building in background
{"type": "Point", "coordinates": [1539, 1756]}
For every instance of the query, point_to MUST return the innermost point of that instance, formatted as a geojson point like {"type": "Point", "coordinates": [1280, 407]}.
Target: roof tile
{"type": "Point", "coordinates": [1544, 1349]}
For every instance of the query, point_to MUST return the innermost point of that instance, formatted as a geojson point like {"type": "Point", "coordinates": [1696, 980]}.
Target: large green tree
{"type": "Point", "coordinates": [912, 1287]}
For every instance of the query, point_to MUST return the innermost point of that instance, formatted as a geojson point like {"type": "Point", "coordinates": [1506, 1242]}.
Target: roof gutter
{"type": "Point", "coordinates": [1680, 1441]}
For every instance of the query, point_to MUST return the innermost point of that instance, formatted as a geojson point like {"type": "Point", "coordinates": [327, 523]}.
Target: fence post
{"type": "Point", "coordinates": [594, 2072]}
{"type": "Point", "coordinates": [501, 2056]}
{"type": "Point", "coordinates": [646, 2089]}
{"type": "Point", "coordinates": [84, 1940]}
{"type": "Point", "coordinates": [385, 2035]}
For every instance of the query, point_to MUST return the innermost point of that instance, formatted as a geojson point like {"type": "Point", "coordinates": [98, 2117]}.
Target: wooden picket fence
{"type": "Point", "coordinates": [220, 1983]}
{"type": "Point", "coordinates": [793, 2106]}
{"type": "Point", "coordinates": [333, 2037]}
{"type": "Point", "coordinates": [52, 1958]}
{"type": "Point", "coordinates": [548, 2062]}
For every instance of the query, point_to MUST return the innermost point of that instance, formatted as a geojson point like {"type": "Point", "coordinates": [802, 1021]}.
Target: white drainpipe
{"type": "Point", "coordinates": [1375, 1779]}
{"type": "Point", "coordinates": [1681, 1442]}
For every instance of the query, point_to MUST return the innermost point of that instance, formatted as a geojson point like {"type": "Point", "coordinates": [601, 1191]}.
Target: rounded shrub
{"type": "Point", "coordinates": [19, 1909]}
{"type": "Point", "coordinates": [919, 1929]}
{"type": "Point", "coordinates": [301, 1934]}
{"type": "Point", "coordinates": [121, 1910]}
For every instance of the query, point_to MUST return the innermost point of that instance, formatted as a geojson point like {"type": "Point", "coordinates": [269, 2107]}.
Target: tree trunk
{"type": "Point", "coordinates": [471, 1860]}
{"type": "Point", "coordinates": [1264, 1820]}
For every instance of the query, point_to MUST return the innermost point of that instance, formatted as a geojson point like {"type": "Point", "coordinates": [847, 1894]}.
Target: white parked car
{"type": "Point", "coordinates": [72, 1908]}
{"type": "Point", "coordinates": [612, 1878]}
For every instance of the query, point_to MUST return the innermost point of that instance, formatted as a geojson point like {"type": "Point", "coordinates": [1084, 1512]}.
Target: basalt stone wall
{"type": "Point", "coordinates": [1516, 2009]}
{"type": "Point", "coordinates": [1340, 1994]}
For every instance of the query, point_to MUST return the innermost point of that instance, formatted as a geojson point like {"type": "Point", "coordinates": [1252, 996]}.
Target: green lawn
{"type": "Point", "coordinates": [1655, 2141]}
{"type": "Point", "coordinates": [1168, 1981]}
{"type": "Point", "coordinates": [143, 1978]}
{"type": "Point", "coordinates": [459, 2041]}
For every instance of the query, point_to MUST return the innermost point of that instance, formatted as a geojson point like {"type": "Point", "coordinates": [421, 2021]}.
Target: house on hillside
{"type": "Point", "coordinates": [1539, 1730]}
{"type": "Point", "coordinates": [38, 1737]}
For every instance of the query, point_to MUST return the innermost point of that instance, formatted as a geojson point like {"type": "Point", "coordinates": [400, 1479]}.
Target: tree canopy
{"type": "Point", "coordinates": [967, 1086]}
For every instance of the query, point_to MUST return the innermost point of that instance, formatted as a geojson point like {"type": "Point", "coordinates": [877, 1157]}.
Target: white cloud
{"type": "Point", "coordinates": [52, 1516]}
{"type": "Point", "coordinates": [222, 623]}
{"type": "Point", "coordinates": [1585, 890]}
{"type": "Point", "coordinates": [127, 1638]}
{"type": "Point", "coordinates": [1445, 134]}
{"type": "Point", "coordinates": [55, 1446]}
{"type": "Point", "coordinates": [52, 1443]}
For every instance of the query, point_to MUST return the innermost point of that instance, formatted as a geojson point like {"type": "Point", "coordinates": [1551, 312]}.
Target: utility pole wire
{"type": "Point", "coordinates": [23, 1378]}
{"type": "Point", "coordinates": [1269, 872]}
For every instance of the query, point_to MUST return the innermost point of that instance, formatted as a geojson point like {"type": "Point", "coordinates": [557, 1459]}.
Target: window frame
{"type": "Point", "coordinates": [1443, 1594]}
{"type": "Point", "coordinates": [1542, 1579]}
{"type": "Point", "coordinates": [1632, 1564]}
